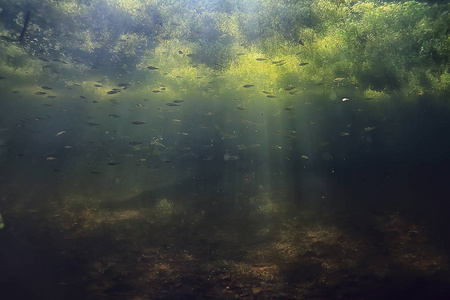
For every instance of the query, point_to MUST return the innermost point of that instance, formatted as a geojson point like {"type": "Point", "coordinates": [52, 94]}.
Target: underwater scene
{"type": "Point", "coordinates": [224, 149]}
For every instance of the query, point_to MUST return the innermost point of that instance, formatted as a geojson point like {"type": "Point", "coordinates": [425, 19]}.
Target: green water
{"type": "Point", "coordinates": [224, 149]}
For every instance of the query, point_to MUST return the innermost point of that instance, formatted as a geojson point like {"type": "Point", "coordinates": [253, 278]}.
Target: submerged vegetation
{"type": "Point", "coordinates": [224, 149]}
{"type": "Point", "coordinates": [380, 49]}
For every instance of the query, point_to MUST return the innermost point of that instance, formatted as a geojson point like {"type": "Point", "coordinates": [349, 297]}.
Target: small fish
{"type": "Point", "coordinates": [304, 157]}
{"type": "Point", "coordinates": [1, 77]}
{"type": "Point", "coordinates": [339, 79]}
{"type": "Point", "coordinates": [112, 163]}
{"type": "Point", "coordinates": [271, 96]}
{"type": "Point", "coordinates": [172, 104]}
{"type": "Point", "coordinates": [112, 92]}
{"type": "Point", "coordinates": [261, 59]}
{"type": "Point", "coordinates": [51, 157]}
{"type": "Point", "coordinates": [240, 54]}
{"type": "Point", "coordinates": [152, 68]}
{"type": "Point", "coordinates": [178, 101]}
{"type": "Point", "coordinates": [138, 122]}
{"type": "Point", "coordinates": [289, 88]}
{"type": "Point", "coordinates": [303, 64]}
{"type": "Point", "coordinates": [123, 84]}
{"type": "Point", "coordinates": [290, 108]}
{"type": "Point", "coordinates": [180, 52]}
{"type": "Point", "coordinates": [82, 97]}
{"type": "Point", "coordinates": [367, 129]}
{"type": "Point", "coordinates": [61, 132]}
{"type": "Point", "coordinates": [344, 134]}
{"type": "Point", "coordinates": [266, 92]}
{"type": "Point", "coordinates": [98, 85]}
{"type": "Point", "coordinates": [278, 62]}
{"type": "Point", "coordinates": [241, 107]}
{"type": "Point", "coordinates": [40, 93]}
{"type": "Point", "coordinates": [248, 86]}
{"type": "Point", "coordinates": [44, 87]}
{"type": "Point", "coordinates": [58, 60]}
{"type": "Point", "coordinates": [156, 91]}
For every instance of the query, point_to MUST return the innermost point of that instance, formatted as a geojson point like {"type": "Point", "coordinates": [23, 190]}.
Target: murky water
{"type": "Point", "coordinates": [205, 150]}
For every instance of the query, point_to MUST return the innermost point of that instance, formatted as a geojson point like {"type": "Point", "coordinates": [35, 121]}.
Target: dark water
{"type": "Point", "coordinates": [186, 181]}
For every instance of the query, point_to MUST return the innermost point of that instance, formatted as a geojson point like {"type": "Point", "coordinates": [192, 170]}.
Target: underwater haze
{"type": "Point", "coordinates": [224, 149]}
